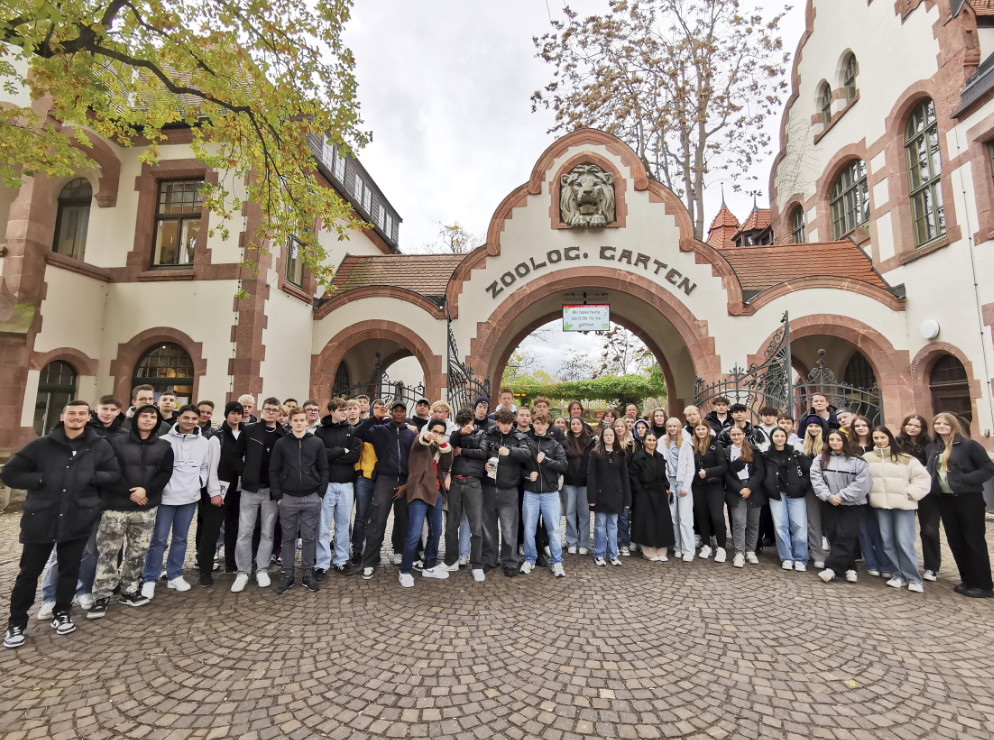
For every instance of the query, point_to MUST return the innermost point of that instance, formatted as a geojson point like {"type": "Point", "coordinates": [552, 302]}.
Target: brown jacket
{"type": "Point", "coordinates": [422, 482]}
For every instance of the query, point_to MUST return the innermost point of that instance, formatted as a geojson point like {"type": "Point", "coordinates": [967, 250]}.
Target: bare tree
{"type": "Point", "coordinates": [687, 83]}
{"type": "Point", "coordinates": [623, 353]}
{"type": "Point", "coordinates": [576, 365]}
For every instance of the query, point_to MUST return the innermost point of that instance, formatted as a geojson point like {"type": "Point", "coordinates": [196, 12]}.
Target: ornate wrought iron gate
{"type": "Point", "coordinates": [770, 383]}
{"type": "Point", "coordinates": [379, 386]}
{"type": "Point", "coordinates": [463, 385]}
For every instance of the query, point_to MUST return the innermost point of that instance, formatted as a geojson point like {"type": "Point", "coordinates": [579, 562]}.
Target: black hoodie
{"type": "Point", "coordinates": [145, 463]}
{"type": "Point", "coordinates": [343, 448]}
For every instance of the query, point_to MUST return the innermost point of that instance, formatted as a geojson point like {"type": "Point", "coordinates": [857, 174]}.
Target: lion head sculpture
{"type": "Point", "coordinates": [586, 197]}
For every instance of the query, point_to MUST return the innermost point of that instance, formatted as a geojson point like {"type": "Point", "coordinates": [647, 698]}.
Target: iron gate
{"type": "Point", "coordinates": [380, 386]}
{"type": "Point", "coordinates": [863, 401]}
{"type": "Point", "coordinates": [463, 385]}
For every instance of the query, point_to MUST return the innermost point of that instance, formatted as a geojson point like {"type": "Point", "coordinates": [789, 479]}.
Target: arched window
{"type": "Point", "coordinates": [849, 77]}
{"type": "Point", "coordinates": [166, 367]}
{"type": "Point", "coordinates": [859, 372]}
{"type": "Point", "coordinates": [73, 218]}
{"type": "Point", "coordinates": [797, 231]}
{"type": "Point", "coordinates": [825, 103]}
{"type": "Point", "coordinates": [343, 381]}
{"type": "Point", "coordinates": [56, 388]}
{"type": "Point", "coordinates": [950, 387]}
{"type": "Point", "coordinates": [850, 199]}
{"type": "Point", "coordinates": [924, 167]}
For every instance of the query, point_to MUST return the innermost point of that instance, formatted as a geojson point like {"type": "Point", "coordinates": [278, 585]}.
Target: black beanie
{"type": "Point", "coordinates": [233, 406]}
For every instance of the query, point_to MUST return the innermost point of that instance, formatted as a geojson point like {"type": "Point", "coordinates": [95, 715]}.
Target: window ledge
{"type": "Point", "coordinates": [836, 118]}
{"type": "Point", "coordinates": [78, 266]}
{"type": "Point", "coordinates": [933, 246]}
{"type": "Point", "coordinates": [165, 274]}
{"type": "Point", "coordinates": [296, 292]}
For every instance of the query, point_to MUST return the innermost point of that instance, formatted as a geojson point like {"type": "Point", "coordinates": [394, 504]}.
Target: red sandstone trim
{"type": "Point", "coordinates": [339, 300]}
{"type": "Point", "coordinates": [827, 281]}
{"type": "Point", "coordinates": [122, 367]}
{"type": "Point", "coordinates": [84, 364]}
{"type": "Point", "coordinates": [921, 370]}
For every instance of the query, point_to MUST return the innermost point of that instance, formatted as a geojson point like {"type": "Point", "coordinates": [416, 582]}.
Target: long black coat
{"type": "Point", "coordinates": [652, 523]}
{"type": "Point", "coordinates": [608, 488]}
{"type": "Point", "coordinates": [63, 490]}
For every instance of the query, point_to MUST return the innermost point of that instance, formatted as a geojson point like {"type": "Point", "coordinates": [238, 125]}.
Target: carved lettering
{"type": "Point", "coordinates": [659, 266]}
{"type": "Point", "coordinates": [671, 276]}
{"type": "Point", "coordinates": [494, 289]}
{"type": "Point", "coordinates": [642, 261]}
{"type": "Point", "coordinates": [686, 286]}
{"type": "Point", "coordinates": [507, 278]}
{"type": "Point", "coordinates": [534, 266]}
{"type": "Point", "coordinates": [522, 266]}
{"type": "Point", "coordinates": [554, 256]}
{"type": "Point", "coordinates": [571, 253]}
{"type": "Point", "coordinates": [607, 253]}
{"type": "Point", "coordinates": [625, 256]}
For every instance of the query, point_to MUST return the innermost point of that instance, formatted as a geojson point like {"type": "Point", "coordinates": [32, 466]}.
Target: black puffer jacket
{"type": "Point", "coordinates": [969, 466]}
{"type": "Point", "coordinates": [145, 463]}
{"type": "Point", "coordinates": [257, 443]}
{"type": "Point", "coordinates": [343, 449]}
{"type": "Point", "coordinates": [471, 460]}
{"type": "Point", "coordinates": [115, 426]}
{"type": "Point", "coordinates": [552, 466]}
{"type": "Point", "coordinates": [511, 467]}
{"type": "Point", "coordinates": [298, 467]}
{"type": "Point", "coordinates": [713, 463]}
{"type": "Point", "coordinates": [787, 471]}
{"type": "Point", "coordinates": [734, 484]}
{"type": "Point", "coordinates": [63, 490]}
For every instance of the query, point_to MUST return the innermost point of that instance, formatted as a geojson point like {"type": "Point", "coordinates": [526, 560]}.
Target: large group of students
{"type": "Point", "coordinates": [112, 494]}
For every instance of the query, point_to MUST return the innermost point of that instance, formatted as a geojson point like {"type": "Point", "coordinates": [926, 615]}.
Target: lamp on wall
{"type": "Point", "coordinates": [929, 329]}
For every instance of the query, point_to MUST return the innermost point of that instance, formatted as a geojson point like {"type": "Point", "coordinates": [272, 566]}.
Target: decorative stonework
{"type": "Point", "coordinates": [586, 198]}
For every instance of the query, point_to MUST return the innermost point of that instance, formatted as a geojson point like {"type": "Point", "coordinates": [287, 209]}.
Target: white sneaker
{"type": "Point", "coordinates": [558, 570]}
{"type": "Point", "coordinates": [705, 552]}
{"type": "Point", "coordinates": [929, 575]}
{"type": "Point", "coordinates": [45, 612]}
{"type": "Point", "coordinates": [662, 559]}
{"type": "Point", "coordinates": [179, 584]}
{"type": "Point", "coordinates": [583, 551]}
{"type": "Point", "coordinates": [800, 567]}
{"type": "Point", "coordinates": [571, 549]}
{"type": "Point", "coordinates": [827, 575]}
{"type": "Point", "coordinates": [916, 587]}
{"type": "Point", "coordinates": [85, 601]}
{"type": "Point", "coordinates": [438, 571]}
{"type": "Point", "coordinates": [688, 557]}
{"type": "Point", "coordinates": [600, 562]}
{"type": "Point", "coordinates": [819, 564]}
{"type": "Point", "coordinates": [851, 576]}
{"type": "Point", "coordinates": [871, 572]}
{"type": "Point", "coordinates": [478, 575]}
{"type": "Point", "coordinates": [527, 567]}
{"type": "Point", "coordinates": [739, 560]}
{"type": "Point", "coordinates": [262, 578]}
{"type": "Point", "coordinates": [677, 554]}
{"type": "Point", "coordinates": [241, 580]}
{"type": "Point", "coordinates": [407, 580]}
{"type": "Point", "coordinates": [625, 552]}
{"type": "Point", "coordinates": [615, 561]}
{"type": "Point", "coordinates": [452, 568]}
{"type": "Point", "coordinates": [463, 560]}
{"type": "Point", "coordinates": [367, 573]}
{"type": "Point", "coordinates": [787, 565]}
{"type": "Point", "coordinates": [895, 583]}
{"type": "Point", "coordinates": [751, 558]}
{"type": "Point", "coordinates": [398, 558]}
{"type": "Point", "coordinates": [719, 555]}
{"type": "Point", "coordinates": [148, 589]}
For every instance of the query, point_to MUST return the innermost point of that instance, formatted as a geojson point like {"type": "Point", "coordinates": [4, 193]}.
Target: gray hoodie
{"type": "Point", "coordinates": [845, 477]}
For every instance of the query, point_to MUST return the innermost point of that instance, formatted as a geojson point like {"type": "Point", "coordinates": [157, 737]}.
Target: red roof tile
{"type": "Point", "coordinates": [757, 220]}
{"type": "Point", "coordinates": [723, 227]}
{"type": "Point", "coordinates": [983, 7]}
{"type": "Point", "coordinates": [427, 274]}
{"type": "Point", "coordinates": [759, 268]}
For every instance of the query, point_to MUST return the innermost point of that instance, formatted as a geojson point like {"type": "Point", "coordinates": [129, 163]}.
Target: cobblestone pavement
{"type": "Point", "coordinates": [692, 650]}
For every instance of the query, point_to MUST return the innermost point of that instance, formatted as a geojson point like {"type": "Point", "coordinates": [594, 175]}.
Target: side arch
{"type": "Point", "coordinates": [128, 353]}
{"type": "Point", "coordinates": [921, 371]}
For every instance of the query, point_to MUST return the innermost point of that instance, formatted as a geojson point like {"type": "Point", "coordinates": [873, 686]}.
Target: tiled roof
{"type": "Point", "coordinates": [427, 274]}
{"type": "Point", "coordinates": [757, 220]}
{"type": "Point", "coordinates": [759, 268]}
{"type": "Point", "coordinates": [722, 228]}
{"type": "Point", "coordinates": [983, 7]}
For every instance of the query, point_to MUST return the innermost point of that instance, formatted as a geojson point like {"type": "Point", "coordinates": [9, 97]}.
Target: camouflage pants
{"type": "Point", "coordinates": [132, 532]}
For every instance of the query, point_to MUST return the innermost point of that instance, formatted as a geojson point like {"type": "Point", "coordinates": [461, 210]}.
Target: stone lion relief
{"type": "Point", "coordinates": [586, 197]}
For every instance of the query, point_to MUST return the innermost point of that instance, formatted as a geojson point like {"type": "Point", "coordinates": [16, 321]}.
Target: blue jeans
{"type": "Point", "coordinates": [87, 571]}
{"type": "Point", "coordinates": [624, 528]}
{"type": "Point", "coordinates": [872, 544]}
{"type": "Point", "coordinates": [897, 531]}
{"type": "Point", "coordinates": [605, 535]}
{"type": "Point", "coordinates": [363, 497]}
{"type": "Point", "coordinates": [790, 524]}
{"type": "Point", "coordinates": [176, 518]}
{"type": "Point", "coordinates": [336, 508]}
{"type": "Point", "coordinates": [546, 504]}
{"type": "Point", "coordinates": [577, 517]}
{"type": "Point", "coordinates": [417, 512]}
{"type": "Point", "coordinates": [464, 537]}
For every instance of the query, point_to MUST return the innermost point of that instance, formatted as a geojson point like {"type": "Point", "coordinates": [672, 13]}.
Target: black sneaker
{"type": "Point", "coordinates": [310, 583]}
{"type": "Point", "coordinates": [206, 580]}
{"type": "Point", "coordinates": [320, 573]}
{"type": "Point", "coordinates": [510, 571]}
{"type": "Point", "coordinates": [133, 599]}
{"type": "Point", "coordinates": [343, 570]}
{"type": "Point", "coordinates": [13, 638]}
{"type": "Point", "coordinates": [63, 624]}
{"type": "Point", "coordinates": [285, 585]}
{"type": "Point", "coordinates": [99, 609]}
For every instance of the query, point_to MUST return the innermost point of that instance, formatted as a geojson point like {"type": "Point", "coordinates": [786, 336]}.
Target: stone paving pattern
{"type": "Point", "coordinates": [688, 650]}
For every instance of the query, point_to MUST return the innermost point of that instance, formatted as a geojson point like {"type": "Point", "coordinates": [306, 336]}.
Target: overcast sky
{"type": "Point", "coordinates": [445, 89]}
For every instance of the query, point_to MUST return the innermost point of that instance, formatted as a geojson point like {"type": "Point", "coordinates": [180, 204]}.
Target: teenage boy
{"type": "Point", "coordinates": [692, 415]}
{"type": "Point", "coordinates": [363, 478]}
{"type": "Point", "coordinates": [505, 398]}
{"type": "Point", "coordinates": [480, 409]}
{"type": "Point", "coordinates": [363, 406]}
{"type": "Point", "coordinates": [106, 419]}
{"type": "Point", "coordinates": [441, 410]}
{"type": "Point", "coordinates": [63, 474]}
{"type": "Point", "coordinates": [343, 451]}
{"type": "Point", "coordinates": [422, 413]}
{"type": "Point", "coordinates": [719, 418]}
{"type": "Point", "coordinates": [542, 406]}
{"type": "Point", "coordinates": [846, 416]}
{"type": "Point", "coordinates": [143, 395]}
{"type": "Point", "coordinates": [313, 411]}
{"type": "Point", "coordinates": [257, 442]}
{"type": "Point", "coordinates": [509, 448]}
{"type": "Point", "coordinates": [247, 400]}
{"type": "Point", "coordinates": [391, 439]}
{"type": "Point", "coordinates": [298, 476]}
{"type": "Point", "coordinates": [229, 469]}
{"type": "Point", "coordinates": [194, 469]}
{"type": "Point", "coordinates": [466, 492]}
{"type": "Point", "coordinates": [547, 461]}
{"type": "Point", "coordinates": [429, 462]}
{"type": "Point", "coordinates": [740, 419]}
{"type": "Point", "coordinates": [206, 409]}
{"type": "Point", "coordinates": [167, 407]}
{"type": "Point", "coordinates": [821, 409]}
{"type": "Point", "coordinates": [129, 511]}
{"type": "Point", "coordinates": [786, 422]}
{"type": "Point", "coordinates": [761, 432]}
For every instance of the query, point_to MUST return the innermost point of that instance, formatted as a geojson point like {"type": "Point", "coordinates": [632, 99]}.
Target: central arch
{"type": "Point", "coordinates": [679, 341]}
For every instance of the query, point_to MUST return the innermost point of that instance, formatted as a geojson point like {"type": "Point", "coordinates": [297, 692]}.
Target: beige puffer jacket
{"type": "Point", "coordinates": [897, 484]}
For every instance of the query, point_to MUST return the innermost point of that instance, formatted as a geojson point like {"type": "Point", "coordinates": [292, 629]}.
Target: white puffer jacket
{"type": "Point", "coordinates": [897, 484]}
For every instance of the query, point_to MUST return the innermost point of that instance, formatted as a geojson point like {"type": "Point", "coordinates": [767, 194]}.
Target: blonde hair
{"type": "Point", "coordinates": [813, 445]}
{"type": "Point", "coordinates": [701, 444]}
{"type": "Point", "coordinates": [679, 434]}
{"type": "Point", "coordinates": [955, 429]}
{"type": "Point", "coordinates": [441, 406]}
{"type": "Point", "coordinates": [246, 398]}
{"type": "Point", "coordinates": [690, 408]}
